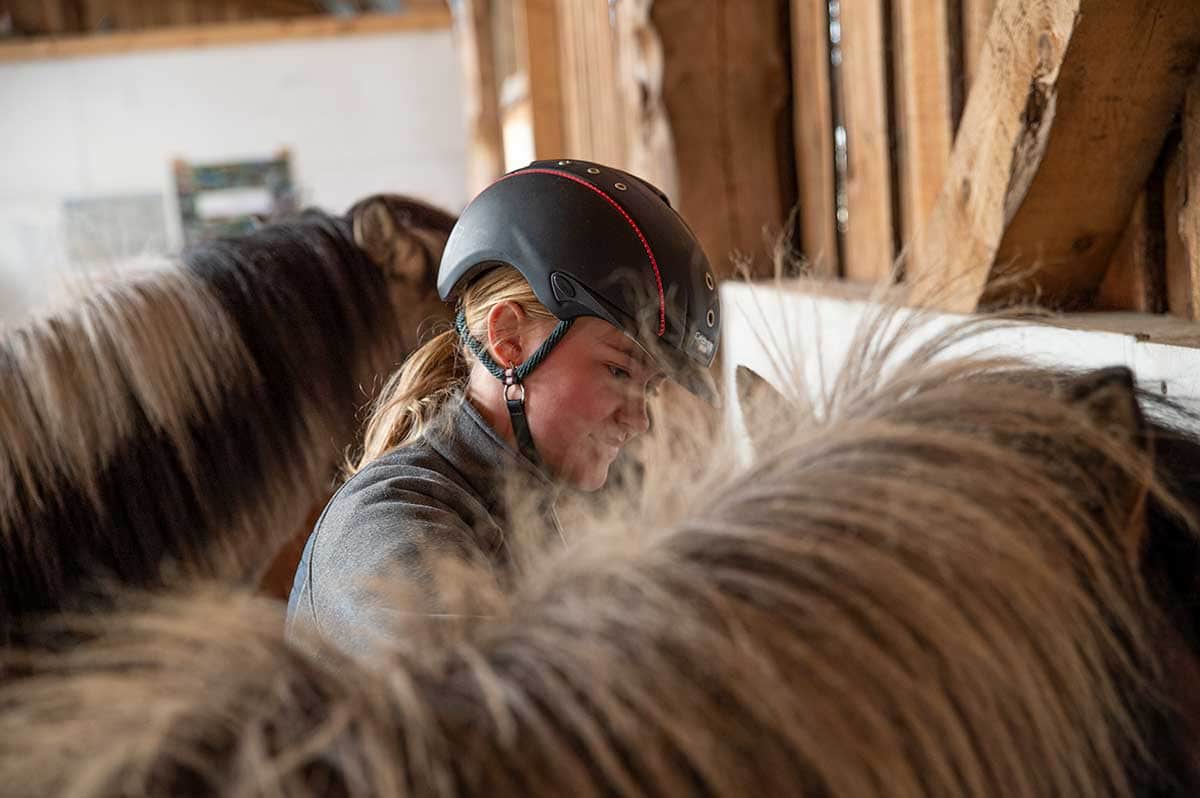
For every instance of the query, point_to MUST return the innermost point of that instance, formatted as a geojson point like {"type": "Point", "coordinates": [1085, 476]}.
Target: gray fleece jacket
{"type": "Point", "coordinates": [437, 497]}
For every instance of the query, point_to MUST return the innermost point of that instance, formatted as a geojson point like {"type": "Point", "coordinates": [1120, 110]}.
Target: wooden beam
{"type": "Point", "coordinates": [976, 15]}
{"type": "Point", "coordinates": [1123, 80]}
{"type": "Point", "coordinates": [473, 34]}
{"type": "Point", "coordinates": [220, 35]}
{"type": "Point", "coordinates": [1071, 106]}
{"type": "Point", "coordinates": [922, 89]}
{"type": "Point", "coordinates": [813, 133]}
{"type": "Point", "coordinates": [540, 40]}
{"type": "Point", "coordinates": [1135, 278]}
{"type": "Point", "coordinates": [868, 248]}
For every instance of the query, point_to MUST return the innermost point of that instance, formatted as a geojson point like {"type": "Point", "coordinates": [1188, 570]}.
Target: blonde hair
{"type": "Point", "coordinates": [413, 395]}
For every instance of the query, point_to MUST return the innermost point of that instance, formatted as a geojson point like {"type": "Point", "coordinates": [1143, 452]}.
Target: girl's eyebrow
{"type": "Point", "coordinates": [636, 357]}
{"type": "Point", "coordinates": [625, 350]}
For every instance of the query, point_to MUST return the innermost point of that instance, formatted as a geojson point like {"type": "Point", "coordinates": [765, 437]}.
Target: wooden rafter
{"type": "Point", "coordinates": [1069, 110]}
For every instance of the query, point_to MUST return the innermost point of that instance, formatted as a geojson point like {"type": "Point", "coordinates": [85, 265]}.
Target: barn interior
{"type": "Point", "coordinates": [944, 159]}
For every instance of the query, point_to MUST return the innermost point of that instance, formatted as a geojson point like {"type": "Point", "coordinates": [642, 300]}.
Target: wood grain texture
{"type": "Point", "coordinates": [922, 89]}
{"type": "Point", "coordinates": [1122, 81]}
{"type": "Point", "coordinates": [976, 16]}
{"type": "Point", "coordinates": [813, 132]}
{"type": "Point", "coordinates": [1070, 109]}
{"type": "Point", "coordinates": [868, 248]}
{"type": "Point", "coordinates": [542, 58]}
{"type": "Point", "coordinates": [726, 89]}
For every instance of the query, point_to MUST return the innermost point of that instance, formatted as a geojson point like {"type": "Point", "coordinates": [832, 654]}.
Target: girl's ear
{"type": "Point", "coordinates": [505, 322]}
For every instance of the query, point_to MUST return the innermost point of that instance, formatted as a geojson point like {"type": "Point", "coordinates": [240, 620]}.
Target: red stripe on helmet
{"type": "Point", "coordinates": [662, 302]}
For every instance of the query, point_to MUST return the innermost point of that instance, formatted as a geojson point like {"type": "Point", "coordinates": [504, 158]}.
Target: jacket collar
{"type": "Point", "coordinates": [486, 462]}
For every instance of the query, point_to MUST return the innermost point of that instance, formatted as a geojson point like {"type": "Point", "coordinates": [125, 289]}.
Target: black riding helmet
{"type": "Point", "coordinates": [592, 240]}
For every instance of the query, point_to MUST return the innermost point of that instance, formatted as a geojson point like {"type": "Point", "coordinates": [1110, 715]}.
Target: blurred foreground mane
{"type": "Point", "coordinates": [932, 585]}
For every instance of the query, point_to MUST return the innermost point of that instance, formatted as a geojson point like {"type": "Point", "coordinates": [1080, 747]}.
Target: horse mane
{"type": "Point", "coordinates": [931, 587]}
{"type": "Point", "coordinates": [182, 421]}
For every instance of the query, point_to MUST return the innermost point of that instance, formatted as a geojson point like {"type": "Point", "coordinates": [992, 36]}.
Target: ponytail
{"type": "Point", "coordinates": [412, 397]}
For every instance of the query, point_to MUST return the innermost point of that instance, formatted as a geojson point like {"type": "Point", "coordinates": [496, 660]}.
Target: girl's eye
{"type": "Point", "coordinates": [619, 373]}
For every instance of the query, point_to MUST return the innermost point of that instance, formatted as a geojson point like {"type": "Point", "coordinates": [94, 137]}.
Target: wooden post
{"type": "Point", "coordinates": [1182, 204]}
{"type": "Point", "coordinates": [868, 248]}
{"type": "Point", "coordinates": [976, 15]}
{"type": "Point", "coordinates": [649, 145]}
{"type": "Point", "coordinates": [473, 31]}
{"type": "Point", "coordinates": [726, 87]}
{"type": "Point", "coordinates": [1071, 106]}
{"type": "Point", "coordinates": [540, 39]}
{"type": "Point", "coordinates": [592, 115]}
{"type": "Point", "coordinates": [922, 88]}
{"type": "Point", "coordinates": [813, 133]}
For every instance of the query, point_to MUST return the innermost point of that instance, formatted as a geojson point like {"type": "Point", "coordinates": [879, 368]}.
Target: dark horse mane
{"type": "Point", "coordinates": [1171, 554]}
{"type": "Point", "coordinates": [183, 421]}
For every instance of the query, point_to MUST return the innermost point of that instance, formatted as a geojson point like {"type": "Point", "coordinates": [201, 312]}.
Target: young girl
{"type": "Point", "coordinates": [578, 288]}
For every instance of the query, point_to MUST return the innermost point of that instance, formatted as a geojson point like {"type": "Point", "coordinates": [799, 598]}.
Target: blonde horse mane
{"type": "Point", "coordinates": [931, 587]}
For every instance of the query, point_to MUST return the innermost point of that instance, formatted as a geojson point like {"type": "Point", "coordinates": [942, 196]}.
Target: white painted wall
{"type": "Point", "coordinates": [360, 114]}
{"type": "Point", "coordinates": [777, 331]}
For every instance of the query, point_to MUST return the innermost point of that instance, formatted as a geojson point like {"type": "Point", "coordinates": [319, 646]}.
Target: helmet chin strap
{"type": "Point", "coordinates": [513, 378]}
{"type": "Point", "coordinates": [514, 398]}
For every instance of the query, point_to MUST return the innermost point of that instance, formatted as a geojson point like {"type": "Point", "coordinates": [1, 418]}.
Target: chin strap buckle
{"type": "Point", "coordinates": [516, 414]}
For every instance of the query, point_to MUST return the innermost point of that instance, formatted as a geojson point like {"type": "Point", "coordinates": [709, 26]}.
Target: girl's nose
{"type": "Point", "coordinates": [635, 416]}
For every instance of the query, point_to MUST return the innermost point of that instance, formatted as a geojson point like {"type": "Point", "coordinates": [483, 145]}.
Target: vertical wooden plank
{"type": "Point", "coordinates": [576, 130]}
{"type": "Point", "coordinates": [647, 141]}
{"type": "Point", "coordinates": [1135, 279]}
{"type": "Point", "coordinates": [868, 248]}
{"type": "Point", "coordinates": [481, 97]}
{"type": "Point", "coordinates": [726, 89]}
{"type": "Point", "coordinates": [1179, 272]}
{"type": "Point", "coordinates": [813, 132]}
{"type": "Point", "coordinates": [1182, 211]}
{"type": "Point", "coordinates": [607, 114]}
{"type": "Point", "coordinates": [1189, 211]}
{"type": "Point", "coordinates": [923, 125]}
{"type": "Point", "coordinates": [592, 119]}
{"type": "Point", "coordinates": [976, 16]}
{"type": "Point", "coordinates": [540, 39]}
